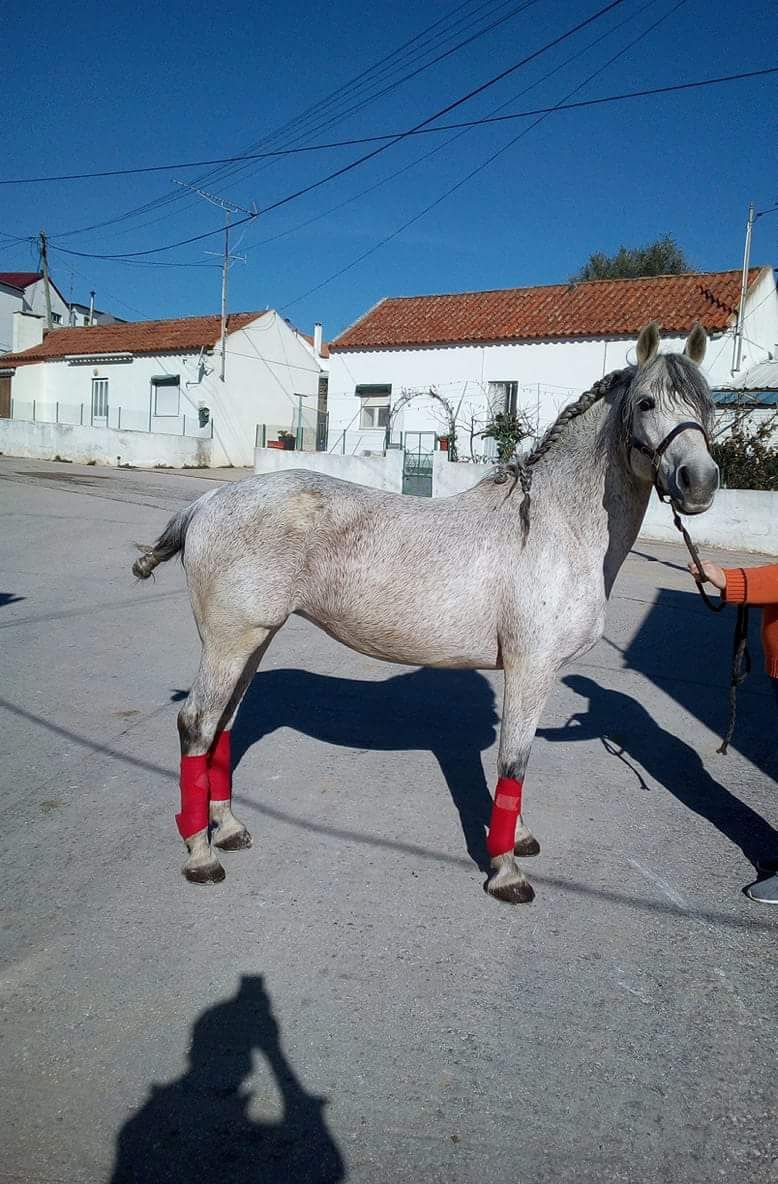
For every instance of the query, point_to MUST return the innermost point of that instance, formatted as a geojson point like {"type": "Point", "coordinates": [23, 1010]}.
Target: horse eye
{"type": "Point", "coordinates": [647, 404]}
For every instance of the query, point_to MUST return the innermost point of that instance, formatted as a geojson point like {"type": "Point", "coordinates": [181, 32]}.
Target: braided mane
{"type": "Point", "coordinates": [522, 468]}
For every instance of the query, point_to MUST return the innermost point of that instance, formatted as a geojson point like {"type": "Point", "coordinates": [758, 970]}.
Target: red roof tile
{"type": "Point", "coordinates": [596, 308]}
{"type": "Point", "coordinates": [20, 279]}
{"type": "Point", "coordinates": [132, 337]}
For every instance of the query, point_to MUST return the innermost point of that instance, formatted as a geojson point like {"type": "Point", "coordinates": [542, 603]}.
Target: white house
{"type": "Point", "coordinates": [24, 291]}
{"type": "Point", "coordinates": [166, 377]}
{"type": "Point", "coordinates": [531, 349]}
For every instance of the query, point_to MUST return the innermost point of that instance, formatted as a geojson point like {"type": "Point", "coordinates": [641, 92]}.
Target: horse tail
{"type": "Point", "coordinates": [169, 543]}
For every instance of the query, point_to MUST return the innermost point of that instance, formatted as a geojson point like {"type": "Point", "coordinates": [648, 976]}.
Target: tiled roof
{"type": "Point", "coordinates": [325, 349]}
{"type": "Point", "coordinates": [20, 279]}
{"type": "Point", "coordinates": [133, 337]}
{"type": "Point", "coordinates": [596, 308]}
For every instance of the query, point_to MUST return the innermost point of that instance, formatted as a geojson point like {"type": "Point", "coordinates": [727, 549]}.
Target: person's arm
{"type": "Point", "coordinates": [742, 585]}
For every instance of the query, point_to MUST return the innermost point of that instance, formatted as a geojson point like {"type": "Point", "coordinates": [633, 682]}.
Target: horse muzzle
{"type": "Point", "coordinates": [692, 484]}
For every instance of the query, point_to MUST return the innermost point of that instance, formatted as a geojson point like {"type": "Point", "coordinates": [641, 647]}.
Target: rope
{"type": "Point", "coordinates": [741, 656]}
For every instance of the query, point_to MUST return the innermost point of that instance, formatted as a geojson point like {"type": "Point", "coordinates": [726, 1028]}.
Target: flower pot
{"type": "Point", "coordinates": [443, 443]}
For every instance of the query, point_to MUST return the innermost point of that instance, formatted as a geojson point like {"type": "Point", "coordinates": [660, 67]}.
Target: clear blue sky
{"type": "Point", "coordinates": [95, 86]}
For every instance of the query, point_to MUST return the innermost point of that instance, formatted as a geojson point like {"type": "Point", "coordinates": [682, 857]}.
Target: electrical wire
{"type": "Point", "coordinates": [344, 169]}
{"type": "Point", "coordinates": [489, 160]}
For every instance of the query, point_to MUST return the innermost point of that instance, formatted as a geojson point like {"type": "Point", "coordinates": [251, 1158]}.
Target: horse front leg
{"type": "Point", "coordinates": [524, 697]}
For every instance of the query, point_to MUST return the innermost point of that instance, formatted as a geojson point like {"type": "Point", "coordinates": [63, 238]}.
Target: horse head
{"type": "Point", "coordinates": [667, 416]}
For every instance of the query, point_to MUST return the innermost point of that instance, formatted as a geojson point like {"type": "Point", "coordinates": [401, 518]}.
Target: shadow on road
{"type": "Point", "coordinates": [450, 713]}
{"type": "Point", "coordinates": [198, 1128]}
{"type": "Point", "coordinates": [9, 598]}
{"type": "Point", "coordinates": [629, 731]}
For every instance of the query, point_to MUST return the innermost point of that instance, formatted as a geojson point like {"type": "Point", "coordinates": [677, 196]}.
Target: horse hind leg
{"type": "Point", "coordinates": [212, 701]}
{"type": "Point", "coordinates": [228, 833]}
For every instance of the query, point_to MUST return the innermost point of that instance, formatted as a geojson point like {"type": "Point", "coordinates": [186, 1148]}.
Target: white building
{"type": "Point", "coordinates": [531, 349]}
{"type": "Point", "coordinates": [166, 377]}
{"type": "Point", "coordinates": [24, 291]}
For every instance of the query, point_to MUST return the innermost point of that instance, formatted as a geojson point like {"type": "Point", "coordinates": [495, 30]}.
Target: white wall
{"type": "Point", "coordinates": [266, 368]}
{"type": "Point", "coordinates": [11, 301]}
{"type": "Point", "coordinates": [44, 441]}
{"type": "Point", "coordinates": [35, 297]}
{"type": "Point", "coordinates": [738, 520]}
{"type": "Point", "coordinates": [379, 472]}
{"type": "Point", "coordinates": [450, 478]}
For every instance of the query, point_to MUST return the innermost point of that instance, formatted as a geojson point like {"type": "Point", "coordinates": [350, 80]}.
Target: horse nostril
{"type": "Point", "coordinates": [684, 479]}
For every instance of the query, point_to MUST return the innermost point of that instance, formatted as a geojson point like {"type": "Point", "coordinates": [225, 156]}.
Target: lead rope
{"type": "Point", "coordinates": [741, 657]}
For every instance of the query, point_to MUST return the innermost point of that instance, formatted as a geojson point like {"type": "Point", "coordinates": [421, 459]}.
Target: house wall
{"type": "Point", "coordinates": [35, 299]}
{"type": "Point", "coordinates": [11, 301]}
{"type": "Point", "coordinates": [267, 367]}
{"type": "Point", "coordinates": [378, 472]}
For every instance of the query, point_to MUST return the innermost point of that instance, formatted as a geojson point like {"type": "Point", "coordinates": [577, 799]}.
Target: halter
{"type": "Point", "coordinates": [655, 454]}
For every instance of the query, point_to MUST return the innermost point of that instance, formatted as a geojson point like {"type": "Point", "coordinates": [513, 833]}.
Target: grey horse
{"type": "Point", "coordinates": [513, 575]}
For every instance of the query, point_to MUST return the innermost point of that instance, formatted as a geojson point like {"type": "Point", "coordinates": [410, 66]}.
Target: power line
{"type": "Point", "coordinates": [464, 125]}
{"type": "Point", "coordinates": [484, 164]}
{"type": "Point", "coordinates": [383, 65]}
{"type": "Point", "coordinates": [383, 147]}
{"type": "Point", "coordinates": [422, 131]}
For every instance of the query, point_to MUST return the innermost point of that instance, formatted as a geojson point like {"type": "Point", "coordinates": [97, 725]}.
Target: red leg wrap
{"type": "Point", "coordinates": [505, 811]}
{"type": "Point", "coordinates": [194, 796]}
{"type": "Point", "coordinates": [220, 768]}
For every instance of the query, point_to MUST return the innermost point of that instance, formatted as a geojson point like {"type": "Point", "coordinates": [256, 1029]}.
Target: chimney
{"type": "Point", "coordinates": [317, 339]}
{"type": "Point", "coordinates": [91, 308]}
{"type": "Point", "coordinates": [27, 330]}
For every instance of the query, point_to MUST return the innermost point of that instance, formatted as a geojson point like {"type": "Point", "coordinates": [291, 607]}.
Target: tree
{"type": "Point", "coordinates": [508, 430]}
{"type": "Point", "coordinates": [663, 257]}
{"type": "Point", "coordinates": [747, 457]}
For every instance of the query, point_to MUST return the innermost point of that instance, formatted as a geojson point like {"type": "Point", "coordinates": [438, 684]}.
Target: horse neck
{"type": "Point", "coordinates": [587, 477]}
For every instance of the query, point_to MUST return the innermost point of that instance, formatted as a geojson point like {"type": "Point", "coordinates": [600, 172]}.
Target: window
{"type": "Point", "coordinates": [56, 318]}
{"type": "Point", "coordinates": [166, 392]}
{"type": "Point", "coordinates": [375, 399]}
{"type": "Point", "coordinates": [503, 396]}
{"type": "Point", "coordinates": [374, 413]}
{"type": "Point", "coordinates": [99, 398]}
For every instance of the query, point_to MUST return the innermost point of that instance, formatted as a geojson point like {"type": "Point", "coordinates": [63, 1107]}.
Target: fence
{"type": "Point", "coordinates": [306, 433]}
{"type": "Point", "coordinates": [120, 419]}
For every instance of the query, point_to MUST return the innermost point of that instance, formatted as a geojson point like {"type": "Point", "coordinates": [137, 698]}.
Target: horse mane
{"type": "Point", "coordinates": [673, 370]}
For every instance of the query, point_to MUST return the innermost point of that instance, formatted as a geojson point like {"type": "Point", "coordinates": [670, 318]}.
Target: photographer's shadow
{"type": "Point", "coordinates": [450, 713]}
{"type": "Point", "coordinates": [198, 1128]}
{"type": "Point", "coordinates": [629, 731]}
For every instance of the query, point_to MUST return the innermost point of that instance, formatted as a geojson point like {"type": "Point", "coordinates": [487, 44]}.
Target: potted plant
{"type": "Point", "coordinates": [287, 441]}
{"type": "Point", "coordinates": [443, 443]}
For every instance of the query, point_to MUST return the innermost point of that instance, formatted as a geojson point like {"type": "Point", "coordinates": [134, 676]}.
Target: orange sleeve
{"type": "Point", "coordinates": [752, 585]}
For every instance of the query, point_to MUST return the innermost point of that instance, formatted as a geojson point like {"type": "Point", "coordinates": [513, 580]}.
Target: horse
{"type": "Point", "coordinates": [489, 579]}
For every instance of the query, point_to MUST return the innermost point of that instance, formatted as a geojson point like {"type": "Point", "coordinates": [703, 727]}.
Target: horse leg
{"type": "Point", "coordinates": [208, 704]}
{"type": "Point", "coordinates": [227, 832]}
{"type": "Point", "coordinates": [523, 702]}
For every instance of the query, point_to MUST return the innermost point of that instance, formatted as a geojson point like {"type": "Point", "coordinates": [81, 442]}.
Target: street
{"type": "Point", "coordinates": [349, 1003]}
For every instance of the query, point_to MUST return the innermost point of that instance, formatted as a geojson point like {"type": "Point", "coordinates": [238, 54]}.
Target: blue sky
{"type": "Point", "coordinates": [96, 86]}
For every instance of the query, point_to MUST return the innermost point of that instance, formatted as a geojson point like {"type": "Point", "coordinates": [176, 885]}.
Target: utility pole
{"type": "Point", "coordinates": [737, 349]}
{"type": "Point", "coordinates": [46, 287]}
{"type": "Point", "coordinates": [229, 208]}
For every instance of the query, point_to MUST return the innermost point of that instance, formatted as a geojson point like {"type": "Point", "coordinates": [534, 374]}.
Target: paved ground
{"type": "Point", "coordinates": [349, 1004]}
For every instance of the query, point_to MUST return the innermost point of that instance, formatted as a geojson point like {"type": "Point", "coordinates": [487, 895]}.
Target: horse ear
{"type": "Point", "coordinates": [648, 344]}
{"type": "Point", "coordinates": [696, 343]}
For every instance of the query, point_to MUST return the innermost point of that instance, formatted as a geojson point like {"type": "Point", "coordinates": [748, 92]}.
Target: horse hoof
{"type": "Point", "coordinates": [525, 847]}
{"type": "Point", "coordinates": [521, 893]}
{"type": "Point", "coordinates": [240, 840]}
{"type": "Point", "coordinates": [207, 873]}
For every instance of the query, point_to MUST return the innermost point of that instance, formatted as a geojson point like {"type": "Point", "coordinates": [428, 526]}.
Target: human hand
{"type": "Point", "coordinates": [710, 572]}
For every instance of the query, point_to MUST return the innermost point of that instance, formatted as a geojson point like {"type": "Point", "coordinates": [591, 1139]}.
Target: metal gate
{"type": "Point", "coordinates": [417, 463]}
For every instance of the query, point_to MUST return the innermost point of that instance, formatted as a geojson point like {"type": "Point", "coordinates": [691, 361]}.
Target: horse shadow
{"type": "Point", "coordinates": [450, 713]}
{"type": "Point", "coordinates": [629, 732]}
{"type": "Point", "coordinates": [198, 1128]}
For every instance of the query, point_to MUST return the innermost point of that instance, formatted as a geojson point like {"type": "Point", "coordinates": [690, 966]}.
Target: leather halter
{"type": "Point", "coordinates": [655, 454]}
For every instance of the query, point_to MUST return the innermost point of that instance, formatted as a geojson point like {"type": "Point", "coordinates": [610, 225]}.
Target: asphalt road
{"type": "Point", "coordinates": [349, 1004]}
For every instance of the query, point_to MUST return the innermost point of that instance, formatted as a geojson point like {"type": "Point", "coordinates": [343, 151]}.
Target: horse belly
{"type": "Point", "coordinates": [392, 641]}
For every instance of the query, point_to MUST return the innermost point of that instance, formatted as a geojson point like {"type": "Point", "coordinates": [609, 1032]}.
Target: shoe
{"type": "Point", "coordinates": [767, 863]}
{"type": "Point", "coordinates": [764, 891]}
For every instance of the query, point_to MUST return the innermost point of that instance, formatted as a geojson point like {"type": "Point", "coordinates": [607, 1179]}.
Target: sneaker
{"type": "Point", "coordinates": [764, 891]}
